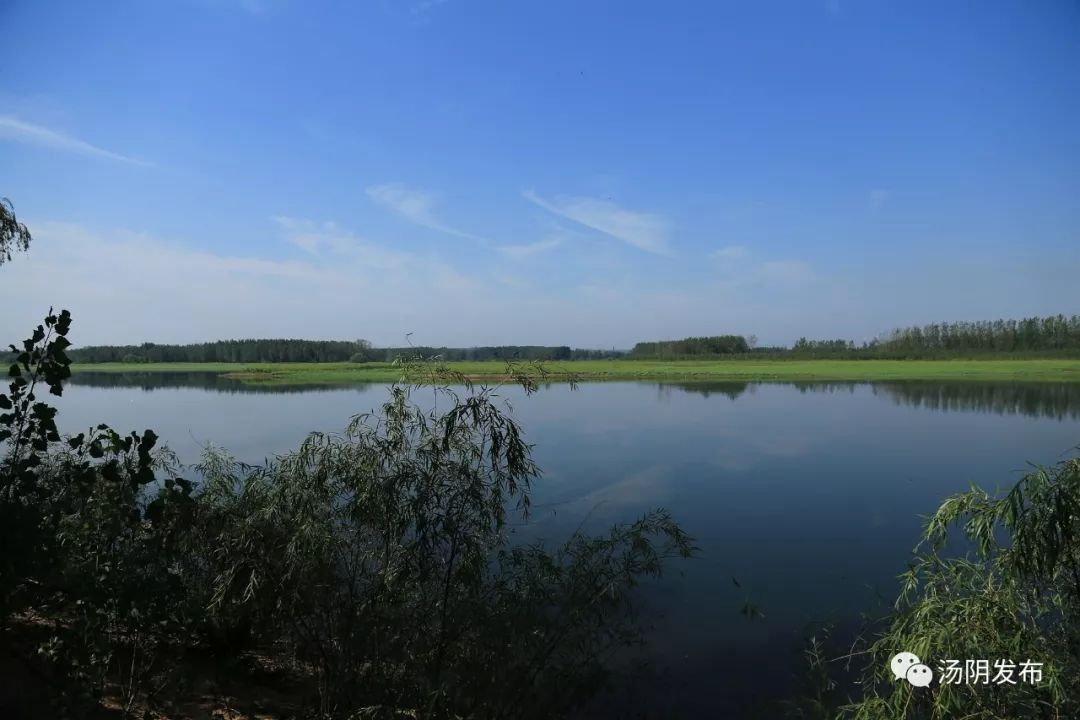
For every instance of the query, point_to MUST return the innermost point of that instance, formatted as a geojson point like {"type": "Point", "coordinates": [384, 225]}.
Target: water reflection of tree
{"type": "Point", "coordinates": [1051, 400]}
{"type": "Point", "coordinates": [149, 381]}
{"type": "Point", "coordinates": [731, 390]}
{"type": "Point", "coordinates": [1060, 401]}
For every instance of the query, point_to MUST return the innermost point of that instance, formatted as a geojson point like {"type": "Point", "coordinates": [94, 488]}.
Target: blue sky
{"type": "Point", "coordinates": [584, 173]}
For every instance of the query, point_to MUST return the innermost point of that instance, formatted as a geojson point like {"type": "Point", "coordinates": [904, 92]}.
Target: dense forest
{"type": "Point", "coordinates": [500, 352]}
{"type": "Point", "coordinates": [1052, 335]}
{"type": "Point", "coordinates": [275, 350]}
{"type": "Point", "coordinates": [803, 346]}
{"type": "Point", "coordinates": [672, 349]}
{"type": "Point", "coordinates": [1056, 334]}
{"type": "Point", "coordinates": [281, 350]}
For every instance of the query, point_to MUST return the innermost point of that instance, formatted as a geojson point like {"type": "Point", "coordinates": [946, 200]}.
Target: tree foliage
{"type": "Point", "coordinates": [246, 351]}
{"type": "Point", "coordinates": [282, 350]}
{"type": "Point", "coordinates": [1054, 334]}
{"type": "Point", "coordinates": [14, 236]}
{"type": "Point", "coordinates": [522, 353]}
{"type": "Point", "coordinates": [690, 347]}
{"type": "Point", "coordinates": [1050, 333]}
{"type": "Point", "coordinates": [803, 346]}
{"type": "Point", "coordinates": [1016, 597]}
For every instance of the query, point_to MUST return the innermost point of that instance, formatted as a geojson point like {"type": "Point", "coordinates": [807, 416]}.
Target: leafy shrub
{"type": "Point", "coordinates": [380, 557]}
{"type": "Point", "coordinates": [88, 543]}
{"type": "Point", "coordinates": [1017, 598]}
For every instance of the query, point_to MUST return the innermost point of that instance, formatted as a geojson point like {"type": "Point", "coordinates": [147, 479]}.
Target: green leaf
{"type": "Point", "coordinates": [64, 323]}
{"type": "Point", "coordinates": [43, 411]}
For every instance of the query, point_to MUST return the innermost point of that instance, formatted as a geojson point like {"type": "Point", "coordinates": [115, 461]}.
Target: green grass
{"type": "Point", "coordinates": [682, 370]}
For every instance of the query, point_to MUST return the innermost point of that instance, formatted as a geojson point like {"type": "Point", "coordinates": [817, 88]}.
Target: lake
{"type": "Point", "coordinates": [808, 496]}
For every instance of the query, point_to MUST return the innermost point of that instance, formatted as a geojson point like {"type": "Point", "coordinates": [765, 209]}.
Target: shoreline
{"type": "Point", "coordinates": [1039, 370]}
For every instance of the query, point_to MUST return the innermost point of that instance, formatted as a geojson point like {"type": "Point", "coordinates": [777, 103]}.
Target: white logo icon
{"type": "Point", "coordinates": [901, 663]}
{"type": "Point", "coordinates": [908, 666]}
{"type": "Point", "coordinates": [919, 675]}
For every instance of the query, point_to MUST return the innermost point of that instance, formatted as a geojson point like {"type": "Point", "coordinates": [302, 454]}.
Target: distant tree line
{"type": "Point", "coordinates": [248, 351]}
{"type": "Point", "coordinates": [282, 350]}
{"type": "Point", "coordinates": [500, 352]}
{"type": "Point", "coordinates": [1031, 336]}
{"type": "Point", "coordinates": [673, 349]}
{"type": "Point", "coordinates": [1056, 332]}
{"type": "Point", "coordinates": [802, 345]}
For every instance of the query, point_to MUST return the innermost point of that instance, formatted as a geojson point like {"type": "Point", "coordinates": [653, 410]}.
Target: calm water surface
{"type": "Point", "coordinates": [810, 496]}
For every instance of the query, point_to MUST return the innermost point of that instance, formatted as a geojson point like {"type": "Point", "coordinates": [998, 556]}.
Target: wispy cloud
{"type": "Point", "coordinates": [877, 197]}
{"type": "Point", "coordinates": [414, 205]}
{"type": "Point", "coordinates": [241, 294]}
{"type": "Point", "coordinates": [739, 269]}
{"type": "Point", "coordinates": [519, 252]}
{"type": "Point", "coordinates": [321, 239]}
{"type": "Point", "coordinates": [731, 253]}
{"type": "Point", "coordinates": [304, 234]}
{"type": "Point", "coordinates": [645, 231]}
{"type": "Point", "coordinates": [16, 130]}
